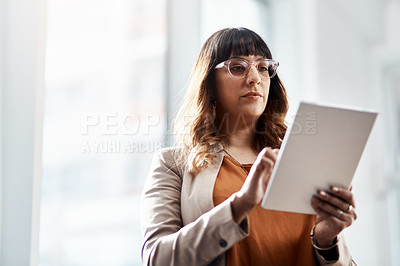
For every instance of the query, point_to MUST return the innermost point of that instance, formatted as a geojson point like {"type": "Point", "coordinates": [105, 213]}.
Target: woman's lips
{"type": "Point", "coordinates": [252, 97]}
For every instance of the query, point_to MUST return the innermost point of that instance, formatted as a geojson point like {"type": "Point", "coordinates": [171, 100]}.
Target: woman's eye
{"type": "Point", "coordinates": [262, 68]}
{"type": "Point", "coordinates": [238, 68]}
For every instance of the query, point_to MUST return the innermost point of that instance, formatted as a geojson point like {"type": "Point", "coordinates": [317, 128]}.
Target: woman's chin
{"type": "Point", "coordinates": [255, 112]}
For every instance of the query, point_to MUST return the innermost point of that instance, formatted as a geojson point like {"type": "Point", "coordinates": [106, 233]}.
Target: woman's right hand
{"type": "Point", "coordinates": [253, 189]}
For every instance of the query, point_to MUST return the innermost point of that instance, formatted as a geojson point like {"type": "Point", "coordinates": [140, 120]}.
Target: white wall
{"type": "Point", "coordinates": [22, 64]}
{"type": "Point", "coordinates": [386, 83]}
{"type": "Point", "coordinates": [343, 71]}
{"type": "Point", "coordinates": [348, 36]}
{"type": "Point", "coordinates": [341, 52]}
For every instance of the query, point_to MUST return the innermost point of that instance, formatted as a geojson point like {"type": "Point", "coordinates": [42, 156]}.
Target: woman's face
{"type": "Point", "coordinates": [231, 98]}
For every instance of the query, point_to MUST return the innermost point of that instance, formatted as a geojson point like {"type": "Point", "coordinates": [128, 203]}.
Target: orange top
{"type": "Point", "coordinates": [276, 238]}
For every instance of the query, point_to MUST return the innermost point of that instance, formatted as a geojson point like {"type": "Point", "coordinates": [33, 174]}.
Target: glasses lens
{"type": "Point", "coordinates": [238, 68]}
{"type": "Point", "coordinates": [267, 68]}
{"type": "Point", "coordinates": [264, 68]}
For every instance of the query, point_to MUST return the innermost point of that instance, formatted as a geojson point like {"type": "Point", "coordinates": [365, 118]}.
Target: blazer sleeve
{"type": "Point", "coordinates": [165, 240]}
{"type": "Point", "coordinates": [345, 258]}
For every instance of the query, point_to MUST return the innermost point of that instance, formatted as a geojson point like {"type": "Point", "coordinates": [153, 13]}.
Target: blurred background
{"type": "Point", "coordinates": [89, 89]}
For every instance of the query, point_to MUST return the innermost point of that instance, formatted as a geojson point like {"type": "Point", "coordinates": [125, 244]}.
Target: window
{"type": "Point", "coordinates": [104, 118]}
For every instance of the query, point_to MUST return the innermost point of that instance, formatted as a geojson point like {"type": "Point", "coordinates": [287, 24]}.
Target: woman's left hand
{"type": "Point", "coordinates": [335, 211]}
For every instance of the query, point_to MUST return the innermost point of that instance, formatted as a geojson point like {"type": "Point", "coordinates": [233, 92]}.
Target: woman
{"type": "Point", "coordinates": [201, 201]}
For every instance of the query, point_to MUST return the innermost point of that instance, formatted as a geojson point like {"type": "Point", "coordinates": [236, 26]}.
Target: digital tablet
{"type": "Point", "coordinates": [322, 147]}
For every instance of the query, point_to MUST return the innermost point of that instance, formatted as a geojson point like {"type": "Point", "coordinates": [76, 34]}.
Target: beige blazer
{"type": "Point", "coordinates": [180, 224]}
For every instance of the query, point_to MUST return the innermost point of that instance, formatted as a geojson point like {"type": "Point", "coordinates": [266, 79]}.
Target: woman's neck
{"type": "Point", "coordinates": [241, 145]}
{"type": "Point", "coordinates": [242, 139]}
{"type": "Point", "coordinates": [241, 132]}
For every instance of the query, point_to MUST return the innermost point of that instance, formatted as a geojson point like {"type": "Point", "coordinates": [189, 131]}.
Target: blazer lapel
{"type": "Point", "coordinates": [197, 191]}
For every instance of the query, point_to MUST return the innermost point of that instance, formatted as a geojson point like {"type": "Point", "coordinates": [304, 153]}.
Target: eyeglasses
{"type": "Point", "coordinates": [239, 67]}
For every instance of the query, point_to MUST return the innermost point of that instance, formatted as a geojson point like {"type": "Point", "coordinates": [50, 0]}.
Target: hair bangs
{"type": "Point", "coordinates": [241, 42]}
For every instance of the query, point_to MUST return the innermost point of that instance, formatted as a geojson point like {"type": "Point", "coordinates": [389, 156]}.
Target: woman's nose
{"type": "Point", "coordinates": [253, 76]}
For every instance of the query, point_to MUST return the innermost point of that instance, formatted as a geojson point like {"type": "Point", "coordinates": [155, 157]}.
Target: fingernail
{"type": "Point", "coordinates": [322, 193]}
{"type": "Point", "coordinates": [335, 189]}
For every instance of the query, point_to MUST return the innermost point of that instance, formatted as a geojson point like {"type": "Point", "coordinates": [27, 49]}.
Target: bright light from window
{"type": "Point", "coordinates": [104, 118]}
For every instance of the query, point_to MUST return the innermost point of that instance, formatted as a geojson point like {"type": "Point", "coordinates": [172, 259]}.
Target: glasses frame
{"type": "Point", "coordinates": [255, 63]}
